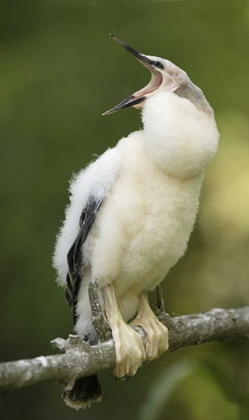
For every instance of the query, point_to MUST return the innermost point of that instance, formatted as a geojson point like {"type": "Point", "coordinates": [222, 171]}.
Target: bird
{"type": "Point", "coordinates": [130, 217]}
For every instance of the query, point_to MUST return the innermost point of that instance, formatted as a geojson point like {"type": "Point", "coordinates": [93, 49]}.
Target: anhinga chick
{"type": "Point", "coordinates": [131, 214]}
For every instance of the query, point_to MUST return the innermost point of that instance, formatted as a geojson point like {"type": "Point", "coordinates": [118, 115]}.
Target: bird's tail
{"type": "Point", "coordinates": [85, 391]}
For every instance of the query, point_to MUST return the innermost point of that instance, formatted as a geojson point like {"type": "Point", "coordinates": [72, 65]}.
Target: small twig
{"type": "Point", "coordinates": [98, 318]}
{"type": "Point", "coordinates": [100, 324]}
{"type": "Point", "coordinates": [159, 307]}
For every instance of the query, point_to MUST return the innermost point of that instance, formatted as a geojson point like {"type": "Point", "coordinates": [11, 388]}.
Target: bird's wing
{"type": "Point", "coordinates": [88, 190]}
{"type": "Point", "coordinates": [75, 258]}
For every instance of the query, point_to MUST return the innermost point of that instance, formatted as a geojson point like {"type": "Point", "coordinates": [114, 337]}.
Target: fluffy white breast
{"type": "Point", "coordinates": [144, 225]}
{"type": "Point", "coordinates": [180, 139]}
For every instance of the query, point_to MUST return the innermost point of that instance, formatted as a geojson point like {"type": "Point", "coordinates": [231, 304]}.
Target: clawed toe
{"type": "Point", "coordinates": [156, 332]}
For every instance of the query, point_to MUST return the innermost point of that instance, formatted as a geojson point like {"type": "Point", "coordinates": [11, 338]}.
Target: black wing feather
{"type": "Point", "coordinates": [75, 255]}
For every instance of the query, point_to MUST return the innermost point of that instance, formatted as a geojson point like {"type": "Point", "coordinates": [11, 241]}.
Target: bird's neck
{"type": "Point", "coordinates": [179, 138]}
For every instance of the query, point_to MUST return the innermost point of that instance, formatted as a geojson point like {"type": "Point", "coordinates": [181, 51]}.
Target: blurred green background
{"type": "Point", "coordinates": [59, 71]}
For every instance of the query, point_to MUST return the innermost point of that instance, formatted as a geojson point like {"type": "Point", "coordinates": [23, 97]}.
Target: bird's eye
{"type": "Point", "coordinates": [158, 64]}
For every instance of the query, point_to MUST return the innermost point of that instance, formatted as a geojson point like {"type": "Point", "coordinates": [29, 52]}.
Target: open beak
{"type": "Point", "coordinates": [138, 97]}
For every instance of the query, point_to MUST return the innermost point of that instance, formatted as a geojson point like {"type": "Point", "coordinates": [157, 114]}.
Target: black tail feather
{"type": "Point", "coordinates": [84, 392]}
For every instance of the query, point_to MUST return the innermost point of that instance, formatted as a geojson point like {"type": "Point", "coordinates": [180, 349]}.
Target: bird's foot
{"type": "Point", "coordinates": [130, 353]}
{"type": "Point", "coordinates": [156, 332]}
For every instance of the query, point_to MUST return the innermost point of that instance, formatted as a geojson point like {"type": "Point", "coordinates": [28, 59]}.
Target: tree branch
{"type": "Point", "coordinates": [79, 359]}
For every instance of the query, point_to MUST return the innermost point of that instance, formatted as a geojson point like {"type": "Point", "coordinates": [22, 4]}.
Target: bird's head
{"type": "Point", "coordinates": [165, 76]}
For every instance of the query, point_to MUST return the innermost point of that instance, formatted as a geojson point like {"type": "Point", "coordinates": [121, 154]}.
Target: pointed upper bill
{"type": "Point", "coordinates": [164, 75]}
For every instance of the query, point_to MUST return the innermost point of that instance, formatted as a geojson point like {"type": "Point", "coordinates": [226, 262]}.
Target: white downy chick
{"type": "Point", "coordinates": [132, 211]}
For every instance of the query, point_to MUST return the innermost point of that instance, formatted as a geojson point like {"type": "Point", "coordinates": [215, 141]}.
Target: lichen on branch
{"type": "Point", "coordinates": [78, 359]}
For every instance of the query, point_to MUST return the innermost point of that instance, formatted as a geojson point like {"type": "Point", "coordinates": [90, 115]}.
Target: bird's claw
{"type": "Point", "coordinates": [126, 378]}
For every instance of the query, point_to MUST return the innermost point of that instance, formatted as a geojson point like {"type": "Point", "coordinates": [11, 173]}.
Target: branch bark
{"type": "Point", "coordinates": [79, 359]}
